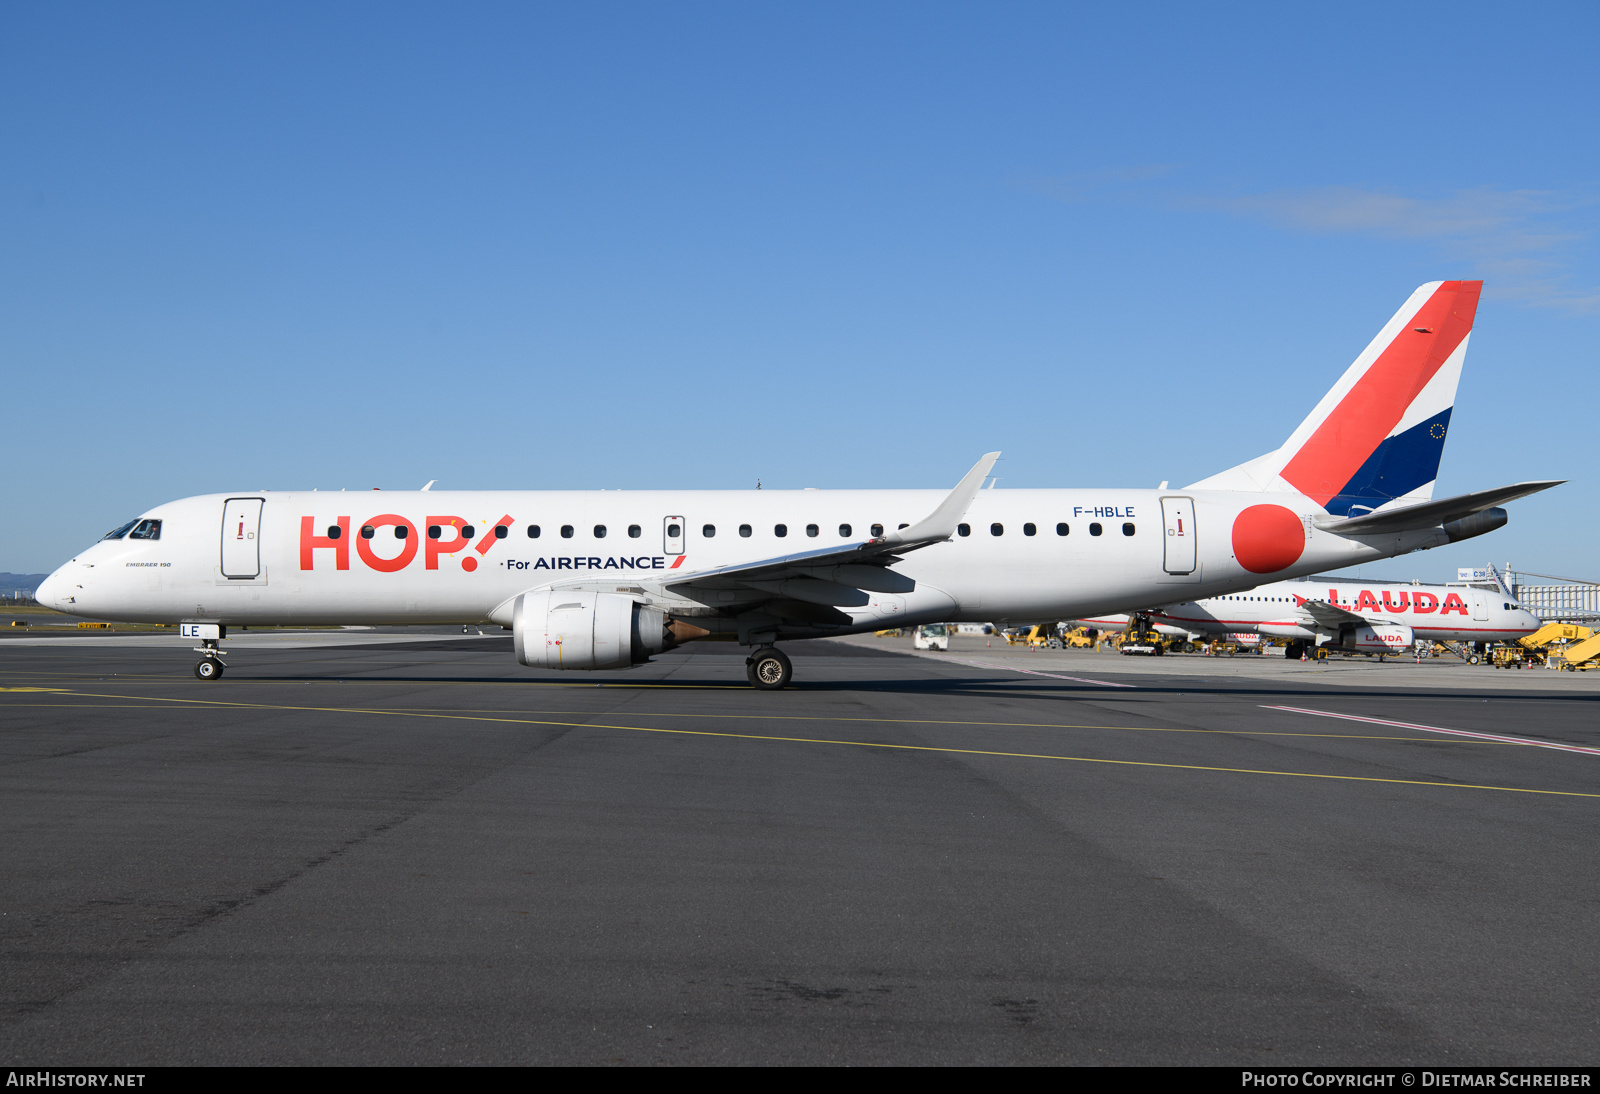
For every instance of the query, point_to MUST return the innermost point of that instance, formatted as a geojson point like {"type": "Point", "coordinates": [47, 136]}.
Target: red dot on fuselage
{"type": "Point", "coordinates": [1268, 538]}
{"type": "Point", "coordinates": [469, 564]}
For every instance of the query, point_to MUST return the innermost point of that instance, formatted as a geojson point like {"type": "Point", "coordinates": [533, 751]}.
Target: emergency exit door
{"type": "Point", "coordinates": [1177, 516]}
{"type": "Point", "coordinates": [241, 537]}
{"type": "Point", "coordinates": [672, 535]}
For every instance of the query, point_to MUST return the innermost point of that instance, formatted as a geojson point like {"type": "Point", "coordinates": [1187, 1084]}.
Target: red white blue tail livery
{"type": "Point", "coordinates": [1374, 441]}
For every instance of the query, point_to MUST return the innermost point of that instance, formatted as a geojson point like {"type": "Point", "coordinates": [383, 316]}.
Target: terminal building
{"type": "Point", "coordinates": [1573, 600]}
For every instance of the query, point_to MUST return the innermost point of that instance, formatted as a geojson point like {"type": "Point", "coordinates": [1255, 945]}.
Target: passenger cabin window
{"type": "Point", "coordinates": [1095, 529]}
{"type": "Point", "coordinates": [812, 530]}
{"type": "Point", "coordinates": [334, 531]}
{"type": "Point", "coordinates": [566, 531]}
{"type": "Point", "coordinates": [146, 529]}
{"type": "Point", "coordinates": [780, 530]}
{"type": "Point", "coordinates": [709, 530]}
{"type": "Point", "coordinates": [744, 530]}
{"type": "Point", "coordinates": [1127, 529]}
{"type": "Point", "coordinates": [599, 531]}
{"type": "Point", "coordinates": [367, 531]}
{"type": "Point", "coordinates": [1030, 529]}
{"type": "Point", "coordinates": [433, 531]}
{"type": "Point", "coordinates": [634, 531]}
{"type": "Point", "coordinates": [997, 529]}
{"type": "Point", "coordinates": [533, 531]}
{"type": "Point", "coordinates": [1062, 529]}
{"type": "Point", "coordinates": [118, 533]}
{"type": "Point", "coordinates": [673, 531]}
{"type": "Point", "coordinates": [501, 531]}
{"type": "Point", "coordinates": [844, 531]}
{"type": "Point", "coordinates": [877, 530]}
{"type": "Point", "coordinates": [401, 531]}
{"type": "Point", "coordinates": [468, 531]}
{"type": "Point", "coordinates": [963, 529]}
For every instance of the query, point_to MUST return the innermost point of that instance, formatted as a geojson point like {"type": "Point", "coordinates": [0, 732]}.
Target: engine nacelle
{"type": "Point", "coordinates": [584, 630]}
{"type": "Point", "coordinates": [1392, 637]}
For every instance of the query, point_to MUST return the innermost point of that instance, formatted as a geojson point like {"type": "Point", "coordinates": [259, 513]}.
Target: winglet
{"type": "Point", "coordinates": [941, 523]}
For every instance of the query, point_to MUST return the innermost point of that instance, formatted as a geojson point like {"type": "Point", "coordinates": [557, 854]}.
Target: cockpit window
{"type": "Point", "coordinates": [146, 529]}
{"type": "Point", "coordinates": [118, 533]}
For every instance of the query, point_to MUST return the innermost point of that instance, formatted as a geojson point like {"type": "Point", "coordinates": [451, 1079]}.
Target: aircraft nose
{"type": "Point", "coordinates": [50, 591]}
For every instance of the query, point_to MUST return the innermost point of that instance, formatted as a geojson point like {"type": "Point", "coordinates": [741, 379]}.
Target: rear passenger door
{"type": "Point", "coordinates": [1177, 518]}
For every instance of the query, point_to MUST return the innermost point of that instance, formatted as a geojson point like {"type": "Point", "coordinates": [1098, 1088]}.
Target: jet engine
{"type": "Point", "coordinates": [584, 630]}
{"type": "Point", "coordinates": [1390, 637]}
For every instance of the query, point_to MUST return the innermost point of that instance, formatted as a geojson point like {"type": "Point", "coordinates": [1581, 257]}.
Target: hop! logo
{"type": "Point", "coordinates": [446, 535]}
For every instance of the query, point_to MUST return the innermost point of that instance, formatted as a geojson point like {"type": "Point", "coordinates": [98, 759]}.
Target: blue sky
{"type": "Point", "coordinates": [355, 245]}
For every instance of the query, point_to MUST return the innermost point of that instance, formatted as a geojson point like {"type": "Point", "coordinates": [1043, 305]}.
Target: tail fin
{"type": "Point", "coordinates": [1378, 434]}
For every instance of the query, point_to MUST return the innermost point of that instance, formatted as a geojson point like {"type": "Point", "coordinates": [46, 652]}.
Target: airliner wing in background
{"type": "Point", "coordinates": [1332, 617]}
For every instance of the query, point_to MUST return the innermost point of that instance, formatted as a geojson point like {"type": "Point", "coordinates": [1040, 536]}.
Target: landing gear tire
{"type": "Point", "coordinates": [768, 669]}
{"type": "Point", "coordinates": [208, 668]}
{"type": "Point", "coordinates": [1474, 659]}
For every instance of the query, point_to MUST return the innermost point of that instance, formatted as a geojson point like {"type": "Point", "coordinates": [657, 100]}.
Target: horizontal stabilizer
{"type": "Point", "coordinates": [1431, 514]}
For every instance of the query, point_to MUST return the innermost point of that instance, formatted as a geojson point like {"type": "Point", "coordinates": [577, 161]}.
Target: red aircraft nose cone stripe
{"type": "Point", "coordinates": [1372, 408]}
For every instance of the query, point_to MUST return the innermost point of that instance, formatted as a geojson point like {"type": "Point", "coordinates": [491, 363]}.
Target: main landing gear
{"type": "Point", "coordinates": [210, 665]}
{"type": "Point", "coordinates": [768, 669]}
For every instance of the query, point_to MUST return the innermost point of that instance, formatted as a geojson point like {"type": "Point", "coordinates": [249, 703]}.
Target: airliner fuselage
{"type": "Point", "coordinates": [436, 557]}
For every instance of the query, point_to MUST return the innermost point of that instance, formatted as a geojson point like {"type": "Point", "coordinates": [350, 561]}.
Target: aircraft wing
{"type": "Point", "coordinates": [813, 585]}
{"type": "Point", "coordinates": [838, 576]}
{"type": "Point", "coordinates": [1331, 616]}
{"type": "Point", "coordinates": [1431, 513]}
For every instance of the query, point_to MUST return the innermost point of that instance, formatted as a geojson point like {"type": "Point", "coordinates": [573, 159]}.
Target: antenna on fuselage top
{"type": "Point", "coordinates": [429, 484]}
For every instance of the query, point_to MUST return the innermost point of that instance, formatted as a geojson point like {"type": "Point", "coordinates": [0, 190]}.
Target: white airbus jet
{"type": "Point", "coordinates": [1367, 616]}
{"type": "Point", "coordinates": [605, 579]}
{"type": "Point", "coordinates": [1372, 616]}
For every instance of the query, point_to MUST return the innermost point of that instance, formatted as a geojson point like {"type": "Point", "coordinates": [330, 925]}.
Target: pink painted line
{"type": "Point", "coordinates": [1036, 672]}
{"type": "Point", "coordinates": [1435, 729]}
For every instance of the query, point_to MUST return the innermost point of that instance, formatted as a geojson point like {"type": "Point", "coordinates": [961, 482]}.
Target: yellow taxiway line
{"type": "Point", "coordinates": [443, 716]}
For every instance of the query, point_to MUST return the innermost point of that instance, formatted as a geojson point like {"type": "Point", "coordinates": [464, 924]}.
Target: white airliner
{"type": "Point", "coordinates": [1368, 616]}
{"type": "Point", "coordinates": [605, 579]}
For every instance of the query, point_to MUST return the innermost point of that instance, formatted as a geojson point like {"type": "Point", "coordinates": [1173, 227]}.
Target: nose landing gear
{"type": "Point", "coordinates": [210, 665]}
{"type": "Point", "coordinates": [768, 669]}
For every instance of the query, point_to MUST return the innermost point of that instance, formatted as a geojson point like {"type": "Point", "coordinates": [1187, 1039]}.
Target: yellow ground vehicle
{"type": "Point", "coordinates": [1581, 656]}
{"type": "Point", "coordinates": [1077, 639]}
{"type": "Point", "coordinates": [1051, 636]}
{"type": "Point", "coordinates": [1563, 644]}
{"type": "Point", "coordinates": [1141, 637]}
